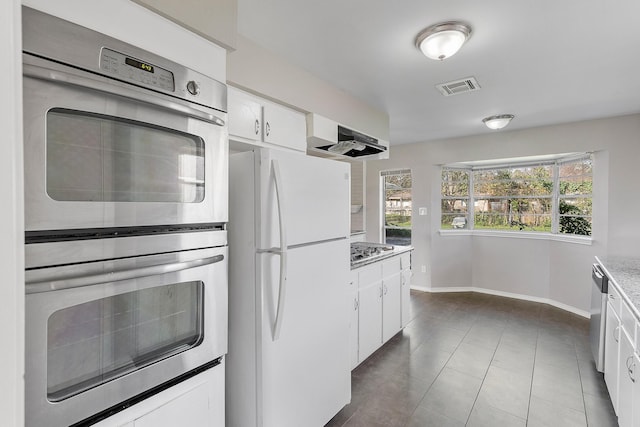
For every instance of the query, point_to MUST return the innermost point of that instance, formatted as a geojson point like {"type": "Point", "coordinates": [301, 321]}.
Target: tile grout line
{"type": "Point", "coordinates": [533, 371]}
{"type": "Point", "coordinates": [584, 403]}
{"type": "Point", "coordinates": [484, 377]}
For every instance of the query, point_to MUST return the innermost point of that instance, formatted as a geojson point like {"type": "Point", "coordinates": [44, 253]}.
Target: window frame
{"type": "Point", "coordinates": [555, 197]}
{"type": "Point", "coordinates": [383, 200]}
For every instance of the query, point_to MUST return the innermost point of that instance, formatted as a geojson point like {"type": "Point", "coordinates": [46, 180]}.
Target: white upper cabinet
{"type": "Point", "coordinates": [245, 115]}
{"type": "Point", "coordinates": [263, 123]}
{"type": "Point", "coordinates": [283, 126]}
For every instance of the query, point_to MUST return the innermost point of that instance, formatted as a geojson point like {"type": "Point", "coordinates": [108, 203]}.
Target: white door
{"type": "Point", "coordinates": [636, 391]}
{"type": "Point", "coordinates": [406, 297]}
{"type": "Point", "coordinates": [626, 380]}
{"type": "Point", "coordinates": [245, 115]}
{"type": "Point", "coordinates": [391, 300]}
{"type": "Point", "coordinates": [305, 372]}
{"type": "Point", "coordinates": [285, 127]}
{"type": "Point", "coordinates": [314, 201]}
{"type": "Point", "coordinates": [611, 353]}
{"type": "Point", "coordinates": [353, 325]}
{"type": "Point", "coordinates": [370, 309]}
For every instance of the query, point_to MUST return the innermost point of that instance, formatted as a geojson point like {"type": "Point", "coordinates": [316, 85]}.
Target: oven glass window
{"type": "Point", "coordinates": [99, 158]}
{"type": "Point", "coordinates": [95, 342]}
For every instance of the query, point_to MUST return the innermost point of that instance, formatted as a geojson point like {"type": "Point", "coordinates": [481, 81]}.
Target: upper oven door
{"type": "Point", "coordinates": [102, 153]}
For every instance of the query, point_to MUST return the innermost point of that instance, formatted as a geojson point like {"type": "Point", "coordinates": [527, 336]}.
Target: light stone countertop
{"type": "Point", "coordinates": [397, 250]}
{"type": "Point", "coordinates": [625, 274]}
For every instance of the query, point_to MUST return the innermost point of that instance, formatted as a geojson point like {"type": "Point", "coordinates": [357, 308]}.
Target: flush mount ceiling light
{"type": "Point", "coordinates": [443, 40]}
{"type": "Point", "coordinates": [497, 122]}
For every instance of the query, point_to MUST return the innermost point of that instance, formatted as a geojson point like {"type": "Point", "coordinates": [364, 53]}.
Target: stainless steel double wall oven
{"type": "Point", "coordinates": [125, 214]}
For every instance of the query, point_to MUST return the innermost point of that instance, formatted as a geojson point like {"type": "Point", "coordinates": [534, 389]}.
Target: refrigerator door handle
{"type": "Point", "coordinates": [283, 249]}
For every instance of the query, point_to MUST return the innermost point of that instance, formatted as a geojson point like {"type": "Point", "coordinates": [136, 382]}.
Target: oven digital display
{"type": "Point", "coordinates": [129, 69]}
{"type": "Point", "coordinates": [137, 64]}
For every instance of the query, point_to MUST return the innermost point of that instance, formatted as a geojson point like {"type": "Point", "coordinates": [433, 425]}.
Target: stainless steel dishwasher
{"type": "Point", "coordinates": [599, 290]}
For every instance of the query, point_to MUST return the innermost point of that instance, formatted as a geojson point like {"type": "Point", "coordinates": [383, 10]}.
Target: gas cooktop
{"type": "Point", "coordinates": [364, 250]}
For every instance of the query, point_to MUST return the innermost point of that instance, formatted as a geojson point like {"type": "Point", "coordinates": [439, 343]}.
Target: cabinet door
{"type": "Point", "coordinates": [406, 297]}
{"type": "Point", "coordinates": [284, 127]}
{"type": "Point", "coordinates": [611, 354]}
{"type": "Point", "coordinates": [245, 115]}
{"type": "Point", "coordinates": [391, 303]}
{"type": "Point", "coordinates": [370, 319]}
{"type": "Point", "coordinates": [353, 326]}
{"type": "Point", "coordinates": [636, 391]}
{"type": "Point", "coordinates": [626, 379]}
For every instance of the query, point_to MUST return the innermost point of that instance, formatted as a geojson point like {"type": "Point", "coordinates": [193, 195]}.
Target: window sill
{"type": "Point", "coordinates": [580, 240]}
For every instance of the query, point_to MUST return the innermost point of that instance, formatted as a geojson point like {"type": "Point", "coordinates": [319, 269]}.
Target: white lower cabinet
{"type": "Point", "coordinates": [380, 305]}
{"type": "Point", "coordinates": [354, 322]}
{"type": "Point", "coordinates": [405, 297]}
{"type": "Point", "coordinates": [612, 354]}
{"type": "Point", "coordinates": [196, 402]}
{"type": "Point", "coordinates": [370, 310]}
{"type": "Point", "coordinates": [621, 360]}
{"type": "Point", "coordinates": [636, 389]}
{"type": "Point", "coordinates": [391, 298]}
{"type": "Point", "coordinates": [625, 381]}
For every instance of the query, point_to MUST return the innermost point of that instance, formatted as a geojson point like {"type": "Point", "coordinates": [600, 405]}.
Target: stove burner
{"type": "Point", "coordinates": [363, 250]}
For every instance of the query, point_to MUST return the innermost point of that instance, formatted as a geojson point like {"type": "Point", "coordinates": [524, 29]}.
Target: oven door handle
{"type": "Point", "coordinates": [36, 282]}
{"type": "Point", "coordinates": [112, 87]}
{"type": "Point", "coordinates": [282, 288]}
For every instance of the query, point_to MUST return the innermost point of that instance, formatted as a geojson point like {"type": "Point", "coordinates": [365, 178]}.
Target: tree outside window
{"type": "Point", "coordinates": [553, 197]}
{"type": "Point", "coordinates": [397, 207]}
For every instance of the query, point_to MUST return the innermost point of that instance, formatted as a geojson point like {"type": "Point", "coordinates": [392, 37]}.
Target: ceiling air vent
{"type": "Point", "coordinates": [455, 87]}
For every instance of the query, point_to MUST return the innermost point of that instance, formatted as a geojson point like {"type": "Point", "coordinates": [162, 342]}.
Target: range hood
{"type": "Point", "coordinates": [328, 138]}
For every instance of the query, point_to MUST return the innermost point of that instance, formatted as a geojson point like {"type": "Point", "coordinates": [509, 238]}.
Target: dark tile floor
{"type": "Point", "coordinates": [480, 360]}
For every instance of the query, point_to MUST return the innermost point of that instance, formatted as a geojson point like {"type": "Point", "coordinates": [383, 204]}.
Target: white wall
{"type": "Point", "coordinates": [11, 222]}
{"type": "Point", "coordinates": [540, 269]}
{"type": "Point", "coordinates": [134, 24]}
{"type": "Point", "coordinates": [258, 70]}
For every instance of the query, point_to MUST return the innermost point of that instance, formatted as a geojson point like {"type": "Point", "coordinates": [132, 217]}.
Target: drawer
{"type": "Point", "coordinates": [628, 321]}
{"type": "Point", "coordinates": [614, 298]}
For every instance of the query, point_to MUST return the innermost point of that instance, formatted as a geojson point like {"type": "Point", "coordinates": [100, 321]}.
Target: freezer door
{"type": "Point", "coordinates": [311, 199]}
{"type": "Point", "coordinates": [305, 373]}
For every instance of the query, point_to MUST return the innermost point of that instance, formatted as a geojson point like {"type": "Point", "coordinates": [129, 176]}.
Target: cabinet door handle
{"type": "Point", "coordinates": [631, 366]}
{"type": "Point", "coordinates": [616, 333]}
{"type": "Point", "coordinates": [257, 126]}
{"type": "Point", "coordinates": [356, 304]}
{"type": "Point", "coordinates": [268, 127]}
{"type": "Point", "coordinates": [380, 291]}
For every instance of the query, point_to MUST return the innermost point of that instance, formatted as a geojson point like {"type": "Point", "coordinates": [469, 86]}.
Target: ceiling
{"type": "Point", "coordinates": [545, 61]}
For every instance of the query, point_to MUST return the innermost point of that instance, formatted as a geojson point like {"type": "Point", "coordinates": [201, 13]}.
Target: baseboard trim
{"type": "Point", "coordinates": [554, 303]}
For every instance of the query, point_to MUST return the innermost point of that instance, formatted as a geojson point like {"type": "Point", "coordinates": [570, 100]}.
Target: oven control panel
{"type": "Point", "coordinates": [135, 70]}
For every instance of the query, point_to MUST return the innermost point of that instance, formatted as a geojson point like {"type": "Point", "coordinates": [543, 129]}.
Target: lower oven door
{"type": "Point", "coordinates": [99, 334]}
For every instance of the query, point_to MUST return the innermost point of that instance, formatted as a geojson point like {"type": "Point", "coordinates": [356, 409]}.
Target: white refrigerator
{"type": "Point", "coordinates": [288, 361]}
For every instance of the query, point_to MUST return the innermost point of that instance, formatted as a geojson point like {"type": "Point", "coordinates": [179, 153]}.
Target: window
{"type": "Point", "coordinates": [397, 206]}
{"type": "Point", "coordinates": [455, 198]}
{"type": "Point", "coordinates": [552, 196]}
